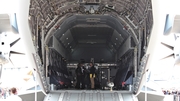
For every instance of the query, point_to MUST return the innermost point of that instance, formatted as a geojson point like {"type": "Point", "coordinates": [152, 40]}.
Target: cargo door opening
{"type": "Point", "coordinates": [102, 40]}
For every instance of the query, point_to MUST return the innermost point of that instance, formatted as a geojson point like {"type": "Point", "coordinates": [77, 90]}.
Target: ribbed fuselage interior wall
{"type": "Point", "coordinates": [57, 68]}
{"type": "Point", "coordinates": [125, 71]}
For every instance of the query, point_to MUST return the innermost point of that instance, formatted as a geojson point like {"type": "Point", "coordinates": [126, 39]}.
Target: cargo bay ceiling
{"type": "Point", "coordinates": [85, 29]}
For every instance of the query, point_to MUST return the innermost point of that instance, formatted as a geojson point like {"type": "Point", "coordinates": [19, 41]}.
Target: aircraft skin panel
{"type": "Point", "coordinates": [23, 25]}
{"type": "Point", "coordinates": [157, 29]}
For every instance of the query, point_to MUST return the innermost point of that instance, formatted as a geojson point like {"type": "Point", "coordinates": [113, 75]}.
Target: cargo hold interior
{"type": "Point", "coordinates": [99, 39]}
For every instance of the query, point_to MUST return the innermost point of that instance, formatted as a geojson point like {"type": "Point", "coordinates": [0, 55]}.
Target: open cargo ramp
{"type": "Point", "coordinates": [90, 95]}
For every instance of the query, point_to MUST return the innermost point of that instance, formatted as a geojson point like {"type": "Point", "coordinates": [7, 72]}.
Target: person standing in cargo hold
{"type": "Point", "coordinates": [92, 74]}
{"type": "Point", "coordinates": [80, 74]}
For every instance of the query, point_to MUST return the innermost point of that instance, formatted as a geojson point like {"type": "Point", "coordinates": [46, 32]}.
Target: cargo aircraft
{"type": "Point", "coordinates": [123, 38]}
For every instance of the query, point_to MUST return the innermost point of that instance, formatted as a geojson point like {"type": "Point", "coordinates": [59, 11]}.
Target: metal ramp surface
{"type": "Point", "coordinates": [90, 95]}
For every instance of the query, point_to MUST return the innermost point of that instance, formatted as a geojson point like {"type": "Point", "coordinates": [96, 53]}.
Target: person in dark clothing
{"type": "Point", "coordinates": [87, 78]}
{"type": "Point", "coordinates": [92, 75]}
{"type": "Point", "coordinates": [80, 73]}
